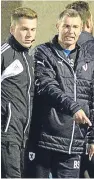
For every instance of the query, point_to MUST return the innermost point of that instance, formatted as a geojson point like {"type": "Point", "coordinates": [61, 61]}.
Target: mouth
{"type": "Point", "coordinates": [28, 41]}
{"type": "Point", "coordinates": [69, 38]}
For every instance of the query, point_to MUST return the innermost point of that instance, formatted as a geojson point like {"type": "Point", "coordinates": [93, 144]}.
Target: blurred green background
{"type": "Point", "coordinates": [47, 11]}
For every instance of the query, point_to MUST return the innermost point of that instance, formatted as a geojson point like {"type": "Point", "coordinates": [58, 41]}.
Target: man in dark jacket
{"type": "Point", "coordinates": [87, 34]}
{"type": "Point", "coordinates": [17, 90]}
{"type": "Point", "coordinates": [63, 97]}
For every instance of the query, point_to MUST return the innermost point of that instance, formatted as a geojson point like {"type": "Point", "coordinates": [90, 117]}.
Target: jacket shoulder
{"type": "Point", "coordinates": [5, 48]}
{"type": "Point", "coordinates": [43, 47]}
{"type": "Point", "coordinates": [7, 54]}
{"type": "Point", "coordinates": [88, 49]}
{"type": "Point", "coordinates": [88, 45]}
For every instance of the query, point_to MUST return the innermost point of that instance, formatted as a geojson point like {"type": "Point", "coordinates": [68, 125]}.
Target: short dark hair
{"type": "Point", "coordinates": [78, 4]}
{"type": "Point", "coordinates": [23, 12]}
{"type": "Point", "coordinates": [70, 13]}
{"type": "Point", "coordinates": [82, 8]}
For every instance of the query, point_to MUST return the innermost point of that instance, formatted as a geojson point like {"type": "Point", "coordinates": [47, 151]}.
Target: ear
{"type": "Point", "coordinates": [88, 23]}
{"type": "Point", "coordinates": [12, 29]}
{"type": "Point", "coordinates": [57, 26]}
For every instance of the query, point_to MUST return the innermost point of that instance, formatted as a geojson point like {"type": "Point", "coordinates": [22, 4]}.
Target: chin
{"type": "Point", "coordinates": [27, 46]}
{"type": "Point", "coordinates": [69, 43]}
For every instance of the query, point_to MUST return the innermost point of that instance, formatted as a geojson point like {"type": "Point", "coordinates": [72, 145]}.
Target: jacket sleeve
{"type": "Point", "coordinates": [90, 134]}
{"type": "Point", "coordinates": [48, 87]}
{"type": "Point", "coordinates": [2, 63]}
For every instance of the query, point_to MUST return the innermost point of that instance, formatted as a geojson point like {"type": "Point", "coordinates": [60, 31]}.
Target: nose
{"type": "Point", "coordinates": [71, 29]}
{"type": "Point", "coordinates": [29, 33]}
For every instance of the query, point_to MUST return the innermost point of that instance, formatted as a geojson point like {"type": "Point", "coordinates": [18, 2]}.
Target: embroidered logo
{"type": "Point", "coordinates": [12, 70]}
{"type": "Point", "coordinates": [85, 67]}
{"type": "Point", "coordinates": [60, 63]}
{"type": "Point", "coordinates": [76, 164]}
{"type": "Point", "coordinates": [71, 62]}
{"type": "Point", "coordinates": [31, 156]}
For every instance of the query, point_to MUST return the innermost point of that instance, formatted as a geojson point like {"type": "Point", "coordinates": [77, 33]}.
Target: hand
{"type": "Point", "coordinates": [80, 117]}
{"type": "Point", "coordinates": [91, 151]}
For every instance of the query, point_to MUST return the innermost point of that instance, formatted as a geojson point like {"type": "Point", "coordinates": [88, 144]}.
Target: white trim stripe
{"type": "Point", "coordinates": [72, 137]}
{"type": "Point", "coordinates": [9, 117]}
{"type": "Point", "coordinates": [4, 45]}
{"type": "Point", "coordinates": [41, 63]}
{"type": "Point", "coordinates": [5, 49]}
{"type": "Point", "coordinates": [28, 92]}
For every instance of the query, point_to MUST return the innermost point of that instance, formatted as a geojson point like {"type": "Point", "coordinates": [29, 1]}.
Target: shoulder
{"type": "Point", "coordinates": [88, 51]}
{"type": "Point", "coordinates": [85, 37]}
{"type": "Point", "coordinates": [5, 47]}
{"type": "Point", "coordinates": [43, 47]}
{"type": "Point", "coordinates": [89, 45]}
{"type": "Point", "coordinates": [7, 53]}
{"type": "Point", "coordinates": [44, 52]}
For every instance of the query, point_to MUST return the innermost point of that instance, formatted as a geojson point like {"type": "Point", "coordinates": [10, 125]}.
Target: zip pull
{"type": "Point", "coordinates": [24, 143]}
{"type": "Point", "coordinates": [86, 149]}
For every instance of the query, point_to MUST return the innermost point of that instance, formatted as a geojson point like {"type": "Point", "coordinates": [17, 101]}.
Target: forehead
{"type": "Point", "coordinates": [71, 20]}
{"type": "Point", "coordinates": [23, 21]}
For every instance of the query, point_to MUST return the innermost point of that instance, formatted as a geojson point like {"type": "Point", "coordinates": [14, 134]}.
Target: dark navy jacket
{"type": "Point", "coordinates": [62, 90]}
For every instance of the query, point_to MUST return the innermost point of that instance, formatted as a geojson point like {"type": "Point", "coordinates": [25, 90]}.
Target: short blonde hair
{"type": "Point", "coordinates": [22, 12]}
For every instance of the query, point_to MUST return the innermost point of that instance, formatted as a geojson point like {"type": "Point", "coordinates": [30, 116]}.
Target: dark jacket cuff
{"type": "Point", "coordinates": [74, 108]}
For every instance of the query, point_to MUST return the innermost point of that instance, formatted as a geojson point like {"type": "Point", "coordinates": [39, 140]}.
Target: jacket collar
{"type": "Point", "coordinates": [85, 55]}
{"type": "Point", "coordinates": [57, 47]}
{"type": "Point", "coordinates": [16, 45]}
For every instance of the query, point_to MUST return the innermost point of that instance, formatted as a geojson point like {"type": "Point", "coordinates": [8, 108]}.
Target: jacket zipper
{"type": "Point", "coordinates": [74, 74]}
{"type": "Point", "coordinates": [28, 94]}
{"type": "Point", "coordinates": [74, 120]}
{"type": "Point", "coordinates": [9, 117]}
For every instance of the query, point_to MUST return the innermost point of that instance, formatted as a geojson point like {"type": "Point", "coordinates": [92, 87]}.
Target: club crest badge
{"type": "Point", "coordinates": [31, 156]}
{"type": "Point", "coordinates": [85, 67]}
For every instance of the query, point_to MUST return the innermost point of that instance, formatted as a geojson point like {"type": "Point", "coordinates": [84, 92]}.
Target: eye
{"type": "Point", "coordinates": [66, 26]}
{"type": "Point", "coordinates": [75, 26]}
{"type": "Point", "coordinates": [24, 28]}
{"type": "Point", "coordinates": [33, 29]}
